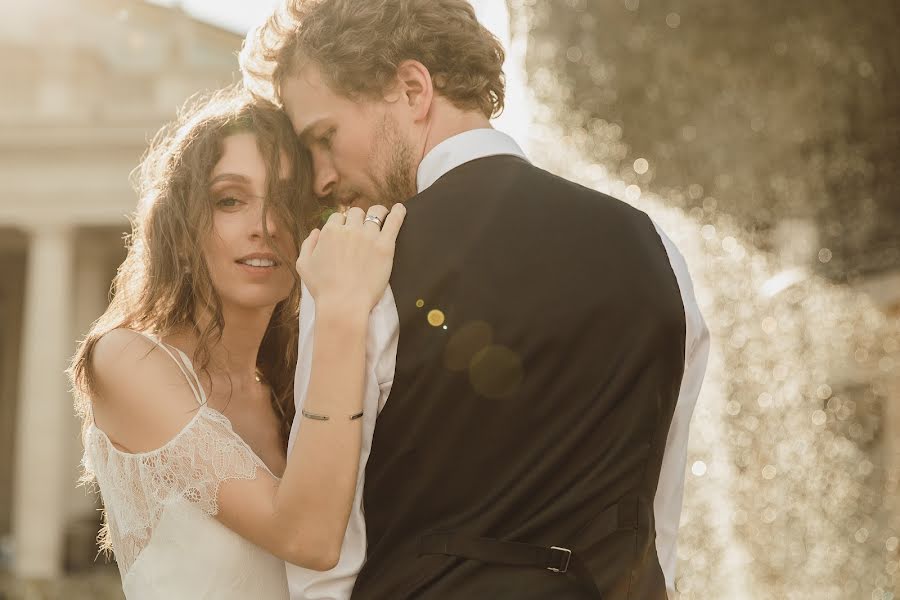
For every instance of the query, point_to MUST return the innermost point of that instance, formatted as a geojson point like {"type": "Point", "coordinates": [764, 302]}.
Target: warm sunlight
{"type": "Point", "coordinates": [666, 277]}
{"type": "Point", "coordinates": [240, 16]}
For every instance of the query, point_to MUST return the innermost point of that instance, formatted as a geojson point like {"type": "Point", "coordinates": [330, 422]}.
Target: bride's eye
{"type": "Point", "coordinates": [228, 202]}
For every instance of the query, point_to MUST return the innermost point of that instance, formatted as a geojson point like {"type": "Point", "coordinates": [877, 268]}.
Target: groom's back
{"type": "Point", "coordinates": [540, 355]}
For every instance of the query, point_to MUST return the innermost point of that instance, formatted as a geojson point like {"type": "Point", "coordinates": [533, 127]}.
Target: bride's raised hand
{"type": "Point", "coordinates": [348, 262]}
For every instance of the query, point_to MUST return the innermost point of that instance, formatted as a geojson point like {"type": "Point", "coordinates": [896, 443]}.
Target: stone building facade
{"type": "Point", "coordinates": [85, 84]}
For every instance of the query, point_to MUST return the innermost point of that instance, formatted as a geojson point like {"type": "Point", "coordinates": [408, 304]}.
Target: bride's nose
{"type": "Point", "coordinates": [264, 214]}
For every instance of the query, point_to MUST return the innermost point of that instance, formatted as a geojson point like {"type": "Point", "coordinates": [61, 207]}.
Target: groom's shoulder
{"type": "Point", "coordinates": [510, 174]}
{"type": "Point", "coordinates": [545, 183]}
{"type": "Point", "coordinates": [509, 182]}
{"type": "Point", "coordinates": [539, 188]}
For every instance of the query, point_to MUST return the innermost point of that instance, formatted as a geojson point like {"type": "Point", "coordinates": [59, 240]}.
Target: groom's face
{"type": "Point", "coordinates": [361, 154]}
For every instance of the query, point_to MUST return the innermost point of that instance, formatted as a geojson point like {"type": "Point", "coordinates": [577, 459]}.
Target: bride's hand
{"type": "Point", "coordinates": [348, 263]}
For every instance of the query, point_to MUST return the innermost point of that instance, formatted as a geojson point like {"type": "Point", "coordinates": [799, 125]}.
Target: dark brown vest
{"type": "Point", "coordinates": [540, 356]}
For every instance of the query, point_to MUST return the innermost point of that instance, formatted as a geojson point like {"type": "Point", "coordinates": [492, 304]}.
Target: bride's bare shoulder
{"type": "Point", "coordinates": [142, 397]}
{"type": "Point", "coordinates": [122, 356]}
{"type": "Point", "coordinates": [120, 343]}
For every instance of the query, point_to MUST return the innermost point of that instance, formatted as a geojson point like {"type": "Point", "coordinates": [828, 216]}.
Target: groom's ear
{"type": "Point", "coordinates": [413, 89]}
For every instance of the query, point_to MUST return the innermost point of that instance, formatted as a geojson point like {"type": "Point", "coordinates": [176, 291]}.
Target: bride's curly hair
{"type": "Point", "coordinates": [358, 45]}
{"type": "Point", "coordinates": [164, 280]}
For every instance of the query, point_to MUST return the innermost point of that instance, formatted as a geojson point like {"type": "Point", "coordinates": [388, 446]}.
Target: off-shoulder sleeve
{"type": "Point", "coordinates": [137, 488]}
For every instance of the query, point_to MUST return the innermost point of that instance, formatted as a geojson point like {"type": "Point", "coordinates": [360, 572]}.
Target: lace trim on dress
{"type": "Point", "coordinates": [136, 488]}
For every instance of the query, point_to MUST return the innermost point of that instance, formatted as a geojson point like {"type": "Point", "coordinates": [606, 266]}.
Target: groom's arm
{"type": "Point", "coordinates": [670, 492]}
{"type": "Point", "coordinates": [384, 332]}
{"type": "Point", "coordinates": [304, 356]}
{"type": "Point", "coordinates": [381, 354]}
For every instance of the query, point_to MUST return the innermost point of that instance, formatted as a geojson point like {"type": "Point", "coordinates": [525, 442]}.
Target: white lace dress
{"type": "Point", "coordinates": [160, 509]}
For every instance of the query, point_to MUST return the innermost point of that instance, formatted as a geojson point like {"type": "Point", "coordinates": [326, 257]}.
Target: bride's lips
{"type": "Point", "coordinates": [258, 269]}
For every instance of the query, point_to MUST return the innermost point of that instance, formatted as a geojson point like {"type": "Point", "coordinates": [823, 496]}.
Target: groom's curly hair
{"type": "Point", "coordinates": [359, 44]}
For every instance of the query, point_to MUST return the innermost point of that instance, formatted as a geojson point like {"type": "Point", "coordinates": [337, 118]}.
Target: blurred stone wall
{"type": "Point", "coordinates": [85, 84]}
{"type": "Point", "coordinates": [774, 128]}
{"type": "Point", "coordinates": [762, 110]}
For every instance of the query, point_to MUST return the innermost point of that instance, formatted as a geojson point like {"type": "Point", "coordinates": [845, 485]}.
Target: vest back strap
{"type": "Point", "coordinates": [558, 559]}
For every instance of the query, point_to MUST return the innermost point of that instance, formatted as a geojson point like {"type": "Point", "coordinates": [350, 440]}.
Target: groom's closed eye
{"type": "Point", "coordinates": [325, 139]}
{"type": "Point", "coordinates": [315, 131]}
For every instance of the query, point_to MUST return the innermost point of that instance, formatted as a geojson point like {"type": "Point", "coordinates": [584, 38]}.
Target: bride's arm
{"type": "Point", "coordinates": [145, 405]}
{"type": "Point", "coordinates": [303, 519]}
{"type": "Point", "coordinates": [147, 409]}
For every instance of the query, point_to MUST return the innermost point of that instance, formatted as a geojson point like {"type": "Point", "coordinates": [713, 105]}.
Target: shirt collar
{"type": "Point", "coordinates": [462, 148]}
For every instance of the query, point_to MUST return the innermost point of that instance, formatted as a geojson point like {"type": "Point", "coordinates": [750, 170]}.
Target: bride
{"type": "Point", "coordinates": [185, 384]}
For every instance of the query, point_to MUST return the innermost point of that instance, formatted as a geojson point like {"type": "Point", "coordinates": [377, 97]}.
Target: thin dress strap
{"type": "Point", "coordinates": [184, 364]}
{"type": "Point", "coordinates": [190, 367]}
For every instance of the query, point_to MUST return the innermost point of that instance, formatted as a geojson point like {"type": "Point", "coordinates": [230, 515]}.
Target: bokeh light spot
{"type": "Point", "coordinates": [632, 193]}
{"type": "Point", "coordinates": [819, 417]}
{"type": "Point", "coordinates": [496, 372]}
{"type": "Point", "coordinates": [436, 318]}
{"type": "Point", "coordinates": [465, 343]}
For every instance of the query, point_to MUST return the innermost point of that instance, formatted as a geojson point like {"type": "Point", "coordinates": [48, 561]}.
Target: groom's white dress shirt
{"type": "Point", "coordinates": [381, 354]}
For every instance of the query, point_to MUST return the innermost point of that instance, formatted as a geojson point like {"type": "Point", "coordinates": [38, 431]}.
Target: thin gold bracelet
{"type": "Point", "coordinates": [316, 417]}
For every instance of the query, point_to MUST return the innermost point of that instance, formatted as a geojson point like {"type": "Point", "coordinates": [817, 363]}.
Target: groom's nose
{"type": "Point", "coordinates": [324, 178]}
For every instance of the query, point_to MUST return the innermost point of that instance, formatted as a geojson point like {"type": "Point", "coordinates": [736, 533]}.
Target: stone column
{"type": "Point", "coordinates": [93, 276]}
{"type": "Point", "coordinates": [94, 269]}
{"type": "Point", "coordinates": [44, 413]}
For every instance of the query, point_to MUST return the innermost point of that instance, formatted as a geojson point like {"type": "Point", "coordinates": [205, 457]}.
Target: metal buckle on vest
{"type": "Point", "coordinates": [563, 561]}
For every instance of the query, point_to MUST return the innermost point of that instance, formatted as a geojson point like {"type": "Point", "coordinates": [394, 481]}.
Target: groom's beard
{"type": "Point", "coordinates": [394, 160]}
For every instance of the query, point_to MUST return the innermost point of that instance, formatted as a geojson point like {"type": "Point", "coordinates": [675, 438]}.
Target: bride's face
{"type": "Point", "coordinates": [245, 272]}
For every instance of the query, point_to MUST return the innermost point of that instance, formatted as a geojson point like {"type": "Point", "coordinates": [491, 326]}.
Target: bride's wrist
{"type": "Point", "coordinates": [345, 313]}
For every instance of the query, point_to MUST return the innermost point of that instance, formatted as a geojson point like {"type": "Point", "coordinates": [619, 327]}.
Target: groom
{"type": "Point", "coordinates": [536, 359]}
